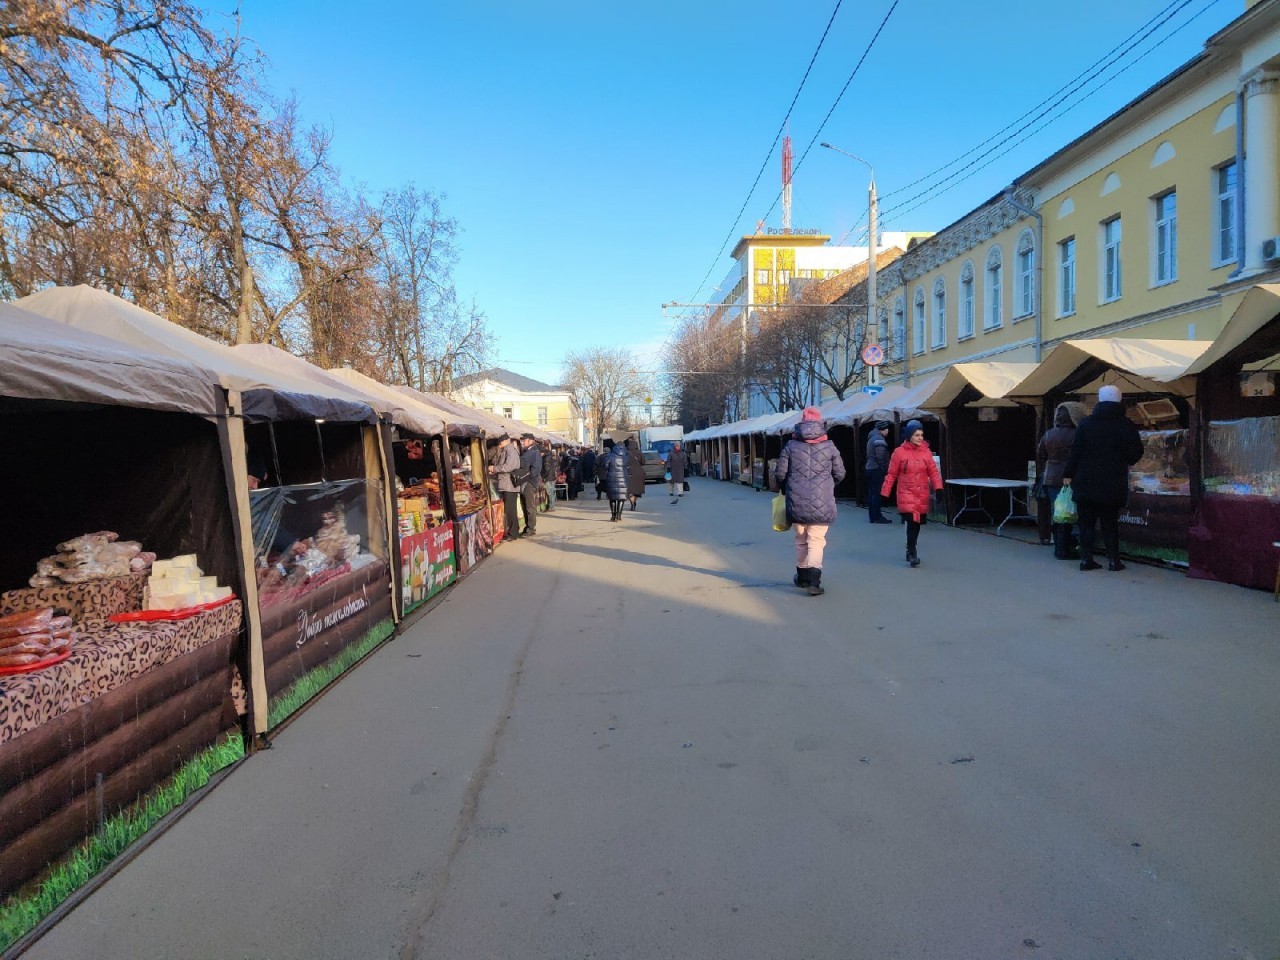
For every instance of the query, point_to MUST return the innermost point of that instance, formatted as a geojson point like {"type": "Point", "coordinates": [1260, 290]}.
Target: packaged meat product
{"type": "Point", "coordinates": [89, 540]}
{"type": "Point", "coordinates": [17, 633]}
{"type": "Point", "coordinates": [142, 562]}
{"type": "Point", "coordinates": [59, 623]}
{"type": "Point", "coordinates": [38, 644]}
{"type": "Point", "coordinates": [25, 618]}
{"type": "Point", "coordinates": [20, 659]}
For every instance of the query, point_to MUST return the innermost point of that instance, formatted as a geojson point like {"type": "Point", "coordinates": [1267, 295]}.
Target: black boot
{"type": "Point", "coordinates": [912, 558]}
{"type": "Point", "coordinates": [1060, 550]}
{"type": "Point", "coordinates": [802, 577]}
{"type": "Point", "coordinates": [814, 585]}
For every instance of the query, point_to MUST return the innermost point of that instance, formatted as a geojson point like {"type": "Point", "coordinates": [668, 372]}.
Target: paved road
{"type": "Point", "coordinates": [640, 741]}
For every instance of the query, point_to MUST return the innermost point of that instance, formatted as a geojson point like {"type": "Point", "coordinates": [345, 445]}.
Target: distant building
{"type": "Point", "coordinates": [522, 398]}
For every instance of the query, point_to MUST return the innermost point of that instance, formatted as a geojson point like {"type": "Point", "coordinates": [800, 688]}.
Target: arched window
{"type": "Point", "coordinates": [1024, 304]}
{"type": "Point", "coordinates": [993, 293]}
{"type": "Point", "coordinates": [918, 323]}
{"type": "Point", "coordinates": [899, 329]}
{"type": "Point", "coordinates": [939, 313]}
{"type": "Point", "coordinates": [965, 325]}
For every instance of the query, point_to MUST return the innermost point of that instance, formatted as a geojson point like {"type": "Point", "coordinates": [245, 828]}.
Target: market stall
{"type": "Point", "coordinates": [1237, 497]}
{"type": "Point", "coordinates": [114, 473]}
{"type": "Point", "coordinates": [312, 522]}
{"type": "Point", "coordinates": [986, 435]}
{"type": "Point", "coordinates": [1159, 397]}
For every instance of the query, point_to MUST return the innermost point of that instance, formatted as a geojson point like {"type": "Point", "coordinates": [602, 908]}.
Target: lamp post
{"type": "Point", "coordinates": [873, 319]}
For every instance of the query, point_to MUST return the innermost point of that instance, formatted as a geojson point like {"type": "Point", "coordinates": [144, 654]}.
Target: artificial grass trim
{"type": "Point", "coordinates": [21, 913]}
{"type": "Point", "coordinates": [313, 681]}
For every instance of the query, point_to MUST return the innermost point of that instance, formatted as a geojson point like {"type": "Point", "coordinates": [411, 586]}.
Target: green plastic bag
{"type": "Point", "coordinates": [780, 521]}
{"type": "Point", "coordinates": [1064, 507]}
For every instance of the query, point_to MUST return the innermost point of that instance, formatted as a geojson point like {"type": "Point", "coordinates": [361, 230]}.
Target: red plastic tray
{"type": "Point", "coordinates": [145, 616]}
{"type": "Point", "coordinates": [38, 665]}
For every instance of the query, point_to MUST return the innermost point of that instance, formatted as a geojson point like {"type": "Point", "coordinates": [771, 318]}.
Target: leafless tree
{"type": "Point", "coordinates": [606, 384]}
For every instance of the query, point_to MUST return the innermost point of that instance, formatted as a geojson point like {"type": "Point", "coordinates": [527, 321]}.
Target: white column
{"type": "Point", "coordinates": [1261, 169]}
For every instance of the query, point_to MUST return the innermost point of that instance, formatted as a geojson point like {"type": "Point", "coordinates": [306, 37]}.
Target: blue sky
{"type": "Point", "coordinates": [597, 155]}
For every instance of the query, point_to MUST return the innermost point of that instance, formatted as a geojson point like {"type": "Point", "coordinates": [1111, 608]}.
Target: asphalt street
{"type": "Point", "coordinates": [639, 740]}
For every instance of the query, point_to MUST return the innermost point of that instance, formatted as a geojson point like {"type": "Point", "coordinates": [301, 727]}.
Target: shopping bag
{"type": "Point", "coordinates": [667, 476]}
{"type": "Point", "coordinates": [780, 521]}
{"type": "Point", "coordinates": [1064, 507]}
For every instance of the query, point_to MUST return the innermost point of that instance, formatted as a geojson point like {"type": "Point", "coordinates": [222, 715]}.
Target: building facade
{"type": "Point", "coordinates": [521, 398]}
{"type": "Point", "coordinates": [1153, 224]}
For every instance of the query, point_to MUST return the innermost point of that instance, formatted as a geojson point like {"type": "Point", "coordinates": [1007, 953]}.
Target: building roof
{"type": "Point", "coordinates": [507, 379]}
{"type": "Point", "coordinates": [832, 289]}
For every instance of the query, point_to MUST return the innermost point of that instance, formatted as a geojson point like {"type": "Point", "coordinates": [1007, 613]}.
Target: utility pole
{"type": "Point", "coordinates": [873, 315]}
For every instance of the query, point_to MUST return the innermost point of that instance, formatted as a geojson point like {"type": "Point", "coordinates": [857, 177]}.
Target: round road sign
{"type": "Point", "coordinates": [872, 355]}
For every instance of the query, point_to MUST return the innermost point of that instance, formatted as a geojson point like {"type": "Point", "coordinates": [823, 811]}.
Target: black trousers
{"type": "Point", "coordinates": [509, 511]}
{"type": "Point", "coordinates": [1103, 515]}
{"type": "Point", "coordinates": [875, 479]}
{"type": "Point", "coordinates": [529, 498]}
{"type": "Point", "coordinates": [913, 534]}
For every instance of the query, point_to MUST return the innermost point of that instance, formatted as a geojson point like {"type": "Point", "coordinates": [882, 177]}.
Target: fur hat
{"type": "Point", "coordinates": [1109, 394]}
{"type": "Point", "coordinates": [811, 413]}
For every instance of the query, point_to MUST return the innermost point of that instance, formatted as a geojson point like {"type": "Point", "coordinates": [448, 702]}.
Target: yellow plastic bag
{"type": "Point", "coordinates": [780, 521]}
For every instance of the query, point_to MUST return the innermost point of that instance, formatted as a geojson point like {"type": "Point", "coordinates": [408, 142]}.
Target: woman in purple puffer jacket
{"type": "Point", "coordinates": [807, 471]}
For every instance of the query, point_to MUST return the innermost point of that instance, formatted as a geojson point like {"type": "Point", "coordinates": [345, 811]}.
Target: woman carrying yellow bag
{"type": "Point", "coordinates": [780, 521]}
{"type": "Point", "coordinates": [807, 473]}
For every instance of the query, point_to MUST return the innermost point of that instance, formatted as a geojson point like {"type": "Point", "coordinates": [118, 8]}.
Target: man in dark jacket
{"type": "Point", "coordinates": [550, 467]}
{"type": "Point", "coordinates": [808, 470]}
{"type": "Point", "coordinates": [502, 461]}
{"type": "Point", "coordinates": [1106, 445]}
{"type": "Point", "coordinates": [531, 464]}
{"type": "Point", "coordinates": [876, 465]}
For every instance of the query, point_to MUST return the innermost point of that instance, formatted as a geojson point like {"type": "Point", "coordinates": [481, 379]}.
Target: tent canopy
{"type": "Point", "coordinates": [41, 359]}
{"type": "Point", "coordinates": [267, 393]}
{"type": "Point", "coordinates": [453, 424]}
{"type": "Point", "coordinates": [1136, 366]}
{"type": "Point", "coordinates": [992, 378]}
{"type": "Point", "coordinates": [1260, 306]}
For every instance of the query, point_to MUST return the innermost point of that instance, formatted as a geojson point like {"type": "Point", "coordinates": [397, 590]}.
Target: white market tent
{"type": "Point", "coordinates": [993, 379]}
{"type": "Point", "coordinates": [41, 359]}
{"type": "Point", "coordinates": [1260, 306]}
{"type": "Point", "coordinates": [1134, 365]}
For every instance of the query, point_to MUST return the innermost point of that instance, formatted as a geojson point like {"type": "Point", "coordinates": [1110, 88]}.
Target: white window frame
{"type": "Point", "coordinates": [509, 411]}
{"type": "Point", "coordinates": [1164, 240]}
{"type": "Point", "coordinates": [939, 314]}
{"type": "Point", "coordinates": [966, 319]}
{"type": "Point", "coordinates": [899, 328]}
{"type": "Point", "coordinates": [1067, 277]}
{"type": "Point", "coordinates": [1025, 261]}
{"type": "Point", "coordinates": [1224, 215]}
{"type": "Point", "coordinates": [920, 322]}
{"type": "Point", "coordinates": [1111, 267]}
{"type": "Point", "coordinates": [784, 277]}
{"type": "Point", "coordinates": [993, 292]}
{"type": "Point", "coordinates": [542, 416]}
{"type": "Point", "coordinates": [763, 275]}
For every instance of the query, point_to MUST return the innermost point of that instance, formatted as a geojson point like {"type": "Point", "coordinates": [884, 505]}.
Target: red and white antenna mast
{"type": "Point", "coordinates": [786, 184]}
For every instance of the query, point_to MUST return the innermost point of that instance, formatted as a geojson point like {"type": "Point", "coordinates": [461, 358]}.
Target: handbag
{"type": "Point", "coordinates": [1064, 507]}
{"type": "Point", "coordinates": [781, 523]}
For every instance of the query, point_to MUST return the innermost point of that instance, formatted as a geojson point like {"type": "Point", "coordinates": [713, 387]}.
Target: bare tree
{"type": "Point", "coordinates": [605, 383]}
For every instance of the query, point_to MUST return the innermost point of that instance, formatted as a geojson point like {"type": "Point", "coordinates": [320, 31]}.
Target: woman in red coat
{"type": "Point", "coordinates": [913, 469]}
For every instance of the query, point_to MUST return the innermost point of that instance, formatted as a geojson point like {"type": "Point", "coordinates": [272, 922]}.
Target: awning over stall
{"type": "Point", "coordinates": [418, 401]}
{"type": "Point", "coordinates": [1260, 306]}
{"type": "Point", "coordinates": [992, 379]}
{"type": "Point", "coordinates": [1136, 366]}
{"type": "Point", "coordinates": [44, 360]}
{"type": "Point", "coordinates": [266, 393]}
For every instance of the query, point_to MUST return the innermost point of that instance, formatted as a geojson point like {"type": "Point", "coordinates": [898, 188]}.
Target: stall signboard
{"type": "Point", "coordinates": [473, 540]}
{"type": "Point", "coordinates": [1156, 521]}
{"type": "Point", "coordinates": [427, 564]}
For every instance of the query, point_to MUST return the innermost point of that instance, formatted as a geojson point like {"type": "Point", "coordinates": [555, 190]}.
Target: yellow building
{"type": "Point", "coordinates": [1137, 228]}
{"type": "Point", "coordinates": [522, 398]}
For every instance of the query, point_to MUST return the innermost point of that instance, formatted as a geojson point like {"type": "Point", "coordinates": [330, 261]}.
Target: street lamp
{"type": "Point", "coordinates": [873, 320]}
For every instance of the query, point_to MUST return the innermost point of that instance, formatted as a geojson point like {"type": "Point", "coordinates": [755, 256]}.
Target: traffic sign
{"type": "Point", "coordinates": [872, 388]}
{"type": "Point", "coordinates": [873, 355]}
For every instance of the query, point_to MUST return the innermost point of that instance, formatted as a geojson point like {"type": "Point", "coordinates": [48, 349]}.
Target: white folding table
{"type": "Point", "coordinates": [972, 488]}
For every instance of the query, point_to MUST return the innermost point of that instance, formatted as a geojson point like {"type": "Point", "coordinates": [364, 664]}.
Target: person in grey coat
{"type": "Point", "coordinates": [1051, 458]}
{"type": "Point", "coordinates": [1106, 445]}
{"type": "Point", "coordinates": [504, 459]}
{"type": "Point", "coordinates": [676, 464]}
{"type": "Point", "coordinates": [808, 470]}
{"type": "Point", "coordinates": [876, 466]}
{"type": "Point", "coordinates": [531, 464]}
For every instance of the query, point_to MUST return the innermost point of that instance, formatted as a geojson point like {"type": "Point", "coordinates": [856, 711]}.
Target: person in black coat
{"type": "Point", "coordinates": [612, 472]}
{"type": "Point", "coordinates": [1106, 445]}
{"type": "Point", "coordinates": [635, 472]}
{"type": "Point", "coordinates": [589, 467]}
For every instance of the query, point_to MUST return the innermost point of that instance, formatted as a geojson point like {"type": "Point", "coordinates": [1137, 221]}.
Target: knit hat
{"type": "Point", "coordinates": [811, 413]}
{"type": "Point", "coordinates": [1109, 394]}
{"type": "Point", "coordinates": [910, 429]}
{"type": "Point", "coordinates": [883, 425]}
